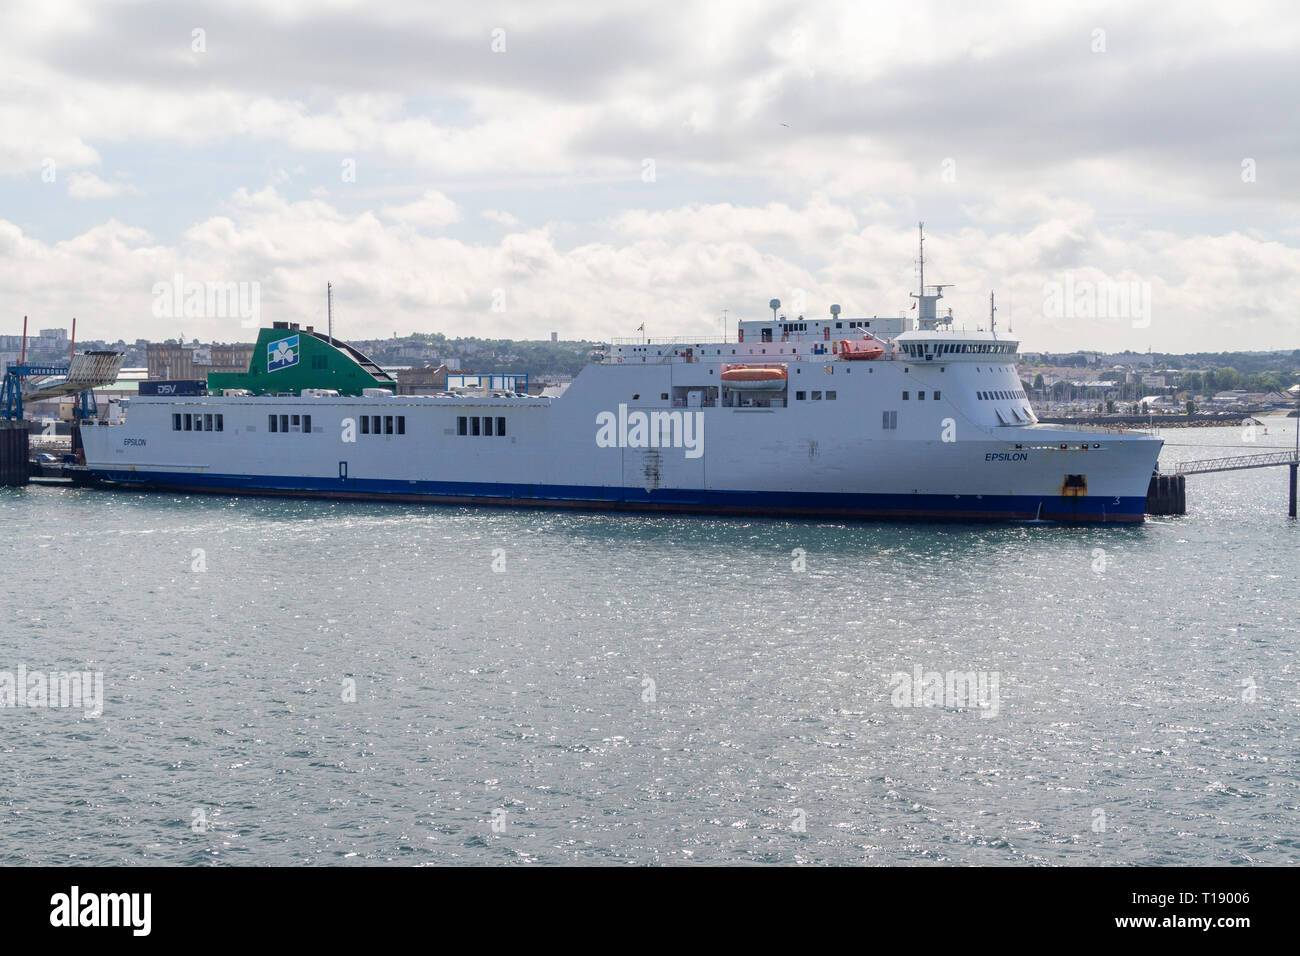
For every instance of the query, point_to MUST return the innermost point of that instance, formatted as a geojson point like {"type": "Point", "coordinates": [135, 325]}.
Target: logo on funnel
{"type": "Point", "coordinates": [282, 353]}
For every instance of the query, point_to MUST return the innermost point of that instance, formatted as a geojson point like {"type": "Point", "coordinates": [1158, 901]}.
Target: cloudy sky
{"type": "Point", "coordinates": [509, 169]}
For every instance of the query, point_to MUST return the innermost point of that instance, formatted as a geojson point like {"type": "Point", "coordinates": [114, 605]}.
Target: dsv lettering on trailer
{"type": "Point", "coordinates": [1007, 456]}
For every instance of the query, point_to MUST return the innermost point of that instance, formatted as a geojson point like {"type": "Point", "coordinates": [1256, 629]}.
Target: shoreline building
{"type": "Point", "coordinates": [171, 361]}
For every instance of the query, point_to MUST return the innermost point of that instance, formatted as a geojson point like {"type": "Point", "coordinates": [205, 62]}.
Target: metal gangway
{"type": "Point", "coordinates": [1234, 462]}
{"type": "Point", "coordinates": [1237, 462]}
{"type": "Point", "coordinates": [31, 383]}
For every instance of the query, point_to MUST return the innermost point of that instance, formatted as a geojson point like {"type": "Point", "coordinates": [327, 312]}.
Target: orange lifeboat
{"type": "Point", "coordinates": [755, 377]}
{"type": "Point", "coordinates": [867, 349]}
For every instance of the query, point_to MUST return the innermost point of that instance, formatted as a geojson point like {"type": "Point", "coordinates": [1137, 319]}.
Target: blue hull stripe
{"type": "Point", "coordinates": [796, 503]}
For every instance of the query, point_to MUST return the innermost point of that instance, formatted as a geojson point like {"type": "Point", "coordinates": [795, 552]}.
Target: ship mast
{"type": "Point", "coordinates": [927, 305]}
{"type": "Point", "coordinates": [329, 308]}
{"type": "Point", "coordinates": [920, 229]}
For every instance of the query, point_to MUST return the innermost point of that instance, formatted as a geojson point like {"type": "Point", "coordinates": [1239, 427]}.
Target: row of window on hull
{"type": "Point", "coordinates": [190, 422]}
{"type": "Point", "coordinates": [383, 424]}
{"type": "Point", "coordinates": [476, 425]}
{"type": "Point", "coordinates": [283, 424]}
{"type": "Point", "coordinates": [1002, 396]}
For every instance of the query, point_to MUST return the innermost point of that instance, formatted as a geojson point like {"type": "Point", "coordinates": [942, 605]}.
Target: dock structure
{"type": "Point", "coordinates": [14, 468]}
{"type": "Point", "coordinates": [28, 383]}
{"type": "Point", "coordinates": [1166, 495]}
{"type": "Point", "coordinates": [80, 377]}
{"type": "Point", "coordinates": [1235, 462]}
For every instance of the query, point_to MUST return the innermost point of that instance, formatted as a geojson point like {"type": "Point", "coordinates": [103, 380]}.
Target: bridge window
{"type": "Point", "coordinates": [306, 423]}
{"type": "Point", "coordinates": [270, 422]}
{"type": "Point", "coordinates": [936, 396]}
{"type": "Point", "coordinates": [889, 420]}
{"type": "Point", "coordinates": [176, 422]}
{"type": "Point", "coordinates": [906, 396]}
{"type": "Point", "coordinates": [501, 427]}
{"type": "Point", "coordinates": [830, 396]}
{"type": "Point", "coordinates": [365, 425]}
{"type": "Point", "coordinates": [462, 425]}
{"type": "Point", "coordinates": [920, 396]}
{"type": "Point", "coordinates": [800, 396]}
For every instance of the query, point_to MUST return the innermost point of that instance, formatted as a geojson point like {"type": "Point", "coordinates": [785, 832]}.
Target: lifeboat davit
{"type": "Point", "coordinates": [867, 349]}
{"type": "Point", "coordinates": [755, 377]}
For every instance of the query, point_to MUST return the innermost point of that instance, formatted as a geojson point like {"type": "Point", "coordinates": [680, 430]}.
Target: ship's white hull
{"type": "Point", "coordinates": [841, 457]}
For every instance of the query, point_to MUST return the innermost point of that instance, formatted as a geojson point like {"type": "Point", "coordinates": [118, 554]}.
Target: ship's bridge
{"type": "Point", "coordinates": [950, 345]}
{"type": "Point", "coordinates": [783, 329]}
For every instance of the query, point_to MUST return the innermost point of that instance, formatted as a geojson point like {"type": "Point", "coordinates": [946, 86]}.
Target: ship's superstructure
{"type": "Point", "coordinates": [869, 417]}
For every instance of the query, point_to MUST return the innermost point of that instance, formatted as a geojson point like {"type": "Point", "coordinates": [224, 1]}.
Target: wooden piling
{"type": "Point", "coordinates": [14, 467]}
{"type": "Point", "coordinates": [1167, 495]}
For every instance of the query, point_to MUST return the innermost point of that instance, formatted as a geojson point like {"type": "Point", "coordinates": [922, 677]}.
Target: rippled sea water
{"type": "Point", "coordinates": [650, 690]}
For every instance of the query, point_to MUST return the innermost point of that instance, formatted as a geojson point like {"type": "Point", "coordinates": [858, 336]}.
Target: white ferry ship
{"type": "Point", "coordinates": [836, 417]}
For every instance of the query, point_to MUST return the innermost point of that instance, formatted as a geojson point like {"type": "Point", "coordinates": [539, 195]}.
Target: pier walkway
{"type": "Point", "coordinates": [1234, 462]}
{"type": "Point", "coordinates": [1165, 494]}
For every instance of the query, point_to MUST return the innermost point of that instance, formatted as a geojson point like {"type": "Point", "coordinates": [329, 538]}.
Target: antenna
{"type": "Point", "coordinates": [329, 308]}
{"type": "Point", "coordinates": [774, 305]}
{"type": "Point", "coordinates": [920, 230]}
{"type": "Point", "coordinates": [993, 322]}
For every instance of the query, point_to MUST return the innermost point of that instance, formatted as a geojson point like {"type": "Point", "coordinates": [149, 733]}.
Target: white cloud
{"type": "Point", "coordinates": [433, 209]}
{"type": "Point", "coordinates": [502, 218]}
{"type": "Point", "coordinates": [83, 185]}
{"type": "Point", "coordinates": [794, 146]}
{"type": "Point", "coordinates": [676, 271]}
